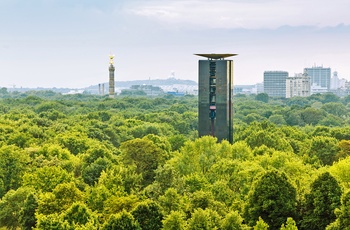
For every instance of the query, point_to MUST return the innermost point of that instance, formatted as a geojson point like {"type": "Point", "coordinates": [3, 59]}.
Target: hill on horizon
{"type": "Point", "coordinates": [155, 82]}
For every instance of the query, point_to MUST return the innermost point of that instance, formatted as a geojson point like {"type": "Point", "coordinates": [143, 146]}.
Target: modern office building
{"type": "Point", "coordinates": [111, 76]}
{"type": "Point", "coordinates": [319, 76]}
{"type": "Point", "coordinates": [215, 92]}
{"type": "Point", "coordinates": [298, 86]}
{"type": "Point", "coordinates": [275, 83]}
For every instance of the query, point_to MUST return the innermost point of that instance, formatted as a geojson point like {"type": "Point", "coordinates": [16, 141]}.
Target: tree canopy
{"type": "Point", "coordinates": [133, 162]}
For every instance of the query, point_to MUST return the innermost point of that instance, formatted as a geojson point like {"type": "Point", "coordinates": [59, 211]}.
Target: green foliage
{"type": "Point", "coordinates": [222, 192]}
{"type": "Point", "coordinates": [61, 198]}
{"type": "Point", "coordinates": [294, 118]}
{"type": "Point", "coordinates": [122, 221]}
{"type": "Point", "coordinates": [148, 215]}
{"type": "Point", "coordinates": [253, 117]}
{"type": "Point", "coordinates": [166, 177]}
{"type": "Point", "coordinates": [12, 167]}
{"type": "Point", "coordinates": [53, 221]}
{"type": "Point", "coordinates": [47, 178]}
{"type": "Point", "coordinates": [194, 182]}
{"type": "Point", "coordinates": [201, 199]}
{"type": "Point", "coordinates": [174, 221]}
{"type": "Point", "coordinates": [79, 214]}
{"type": "Point", "coordinates": [335, 108]}
{"type": "Point", "coordinates": [96, 197]}
{"type": "Point", "coordinates": [273, 198]}
{"type": "Point", "coordinates": [203, 219]}
{"type": "Point", "coordinates": [92, 172]}
{"type": "Point", "coordinates": [146, 155]}
{"type": "Point", "coordinates": [321, 203]}
{"type": "Point", "coordinates": [232, 221]}
{"type": "Point", "coordinates": [27, 215]}
{"type": "Point", "coordinates": [11, 205]}
{"type": "Point", "coordinates": [290, 225]}
{"type": "Point", "coordinates": [343, 215]}
{"type": "Point", "coordinates": [262, 97]}
{"type": "Point", "coordinates": [75, 142]}
{"type": "Point", "coordinates": [200, 155]}
{"type": "Point", "coordinates": [78, 161]}
{"type": "Point", "coordinates": [177, 141]}
{"type": "Point", "coordinates": [117, 204]}
{"type": "Point", "coordinates": [170, 201]}
{"type": "Point", "coordinates": [344, 146]}
{"type": "Point", "coordinates": [261, 225]}
{"type": "Point", "coordinates": [277, 119]}
{"type": "Point", "coordinates": [312, 116]}
{"type": "Point", "coordinates": [341, 171]}
{"type": "Point", "coordinates": [324, 148]}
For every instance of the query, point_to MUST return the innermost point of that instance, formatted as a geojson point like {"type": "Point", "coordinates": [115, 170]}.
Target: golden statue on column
{"type": "Point", "coordinates": [111, 59]}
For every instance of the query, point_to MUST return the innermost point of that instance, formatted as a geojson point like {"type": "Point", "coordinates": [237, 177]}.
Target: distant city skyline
{"type": "Point", "coordinates": [66, 43]}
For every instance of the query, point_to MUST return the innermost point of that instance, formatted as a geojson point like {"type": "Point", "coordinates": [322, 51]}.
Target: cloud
{"type": "Point", "coordinates": [251, 14]}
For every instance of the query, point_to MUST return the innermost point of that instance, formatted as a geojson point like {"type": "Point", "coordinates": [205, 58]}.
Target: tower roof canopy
{"type": "Point", "coordinates": [216, 56]}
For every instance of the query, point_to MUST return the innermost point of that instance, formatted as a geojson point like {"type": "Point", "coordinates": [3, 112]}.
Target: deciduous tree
{"type": "Point", "coordinates": [121, 221]}
{"type": "Point", "coordinates": [273, 198]}
{"type": "Point", "coordinates": [321, 203]}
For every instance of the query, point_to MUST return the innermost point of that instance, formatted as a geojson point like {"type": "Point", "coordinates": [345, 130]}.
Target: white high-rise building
{"type": "Point", "coordinates": [337, 83]}
{"type": "Point", "coordinates": [298, 86]}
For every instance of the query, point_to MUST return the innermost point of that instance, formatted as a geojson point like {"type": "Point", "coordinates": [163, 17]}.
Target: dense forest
{"type": "Point", "coordinates": [91, 162]}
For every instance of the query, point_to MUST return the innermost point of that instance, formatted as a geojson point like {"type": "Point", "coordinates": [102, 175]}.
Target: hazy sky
{"type": "Point", "coordinates": [66, 43]}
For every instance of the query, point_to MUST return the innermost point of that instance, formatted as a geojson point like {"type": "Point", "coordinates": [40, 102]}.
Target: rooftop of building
{"type": "Point", "coordinates": [216, 56]}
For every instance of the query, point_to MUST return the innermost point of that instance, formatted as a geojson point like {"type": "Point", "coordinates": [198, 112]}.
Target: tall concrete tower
{"type": "Point", "coordinates": [215, 92]}
{"type": "Point", "coordinates": [111, 76]}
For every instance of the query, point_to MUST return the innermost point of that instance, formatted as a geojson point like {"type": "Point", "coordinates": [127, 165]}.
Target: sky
{"type": "Point", "coordinates": [67, 43]}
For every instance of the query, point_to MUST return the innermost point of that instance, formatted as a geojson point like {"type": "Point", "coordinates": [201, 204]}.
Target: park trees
{"type": "Point", "coordinates": [122, 221]}
{"type": "Point", "coordinates": [343, 215]}
{"type": "Point", "coordinates": [148, 215]}
{"type": "Point", "coordinates": [272, 198]}
{"type": "Point", "coordinates": [323, 199]}
{"type": "Point", "coordinates": [96, 162]}
{"type": "Point", "coordinates": [27, 215]}
{"type": "Point", "coordinates": [325, 149]}
{"type": "Point", "coordinates": [13, 163]}
{"type": "Point", "coordinates": [174, 221]}
{"type": "Point", "coordinates": [146, 155]}
{"type": "Point", "coordinates": [11, 206]}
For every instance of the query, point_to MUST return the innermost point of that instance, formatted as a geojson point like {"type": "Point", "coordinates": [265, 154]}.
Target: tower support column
{"type": "Point", "coordinates": [111, 77]}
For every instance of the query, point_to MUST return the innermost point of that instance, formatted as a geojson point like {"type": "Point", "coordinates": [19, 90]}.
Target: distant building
{"type": "Point", "coordinates": [215, 109]}
{"type": "Point", "coordinates": [248, 89]}
{"type": "Point", "coordinates": [298, 86]}
{"type": "Point", "coordinates": [315, 89]}
{"type": "Point", "coordinates": [243, 89]}
{"type": "Point", "coordinates": [337, 83]}
{"type": "Point", "coordinates": [259, 88]}
{"type": "Point", "coordinates": [320, 78]}
{"type": "Point", "coordinates": [177, 94]}
{"type": "Point", "coordinates": [149, 90]}
{"type": "Point", "coordinates": [275, 83]}
{"type": "Point", "coordinates": [347, 85]}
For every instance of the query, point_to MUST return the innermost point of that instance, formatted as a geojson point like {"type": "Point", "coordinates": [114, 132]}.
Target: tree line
{"type": "Point", "coordinates": [91, 162]}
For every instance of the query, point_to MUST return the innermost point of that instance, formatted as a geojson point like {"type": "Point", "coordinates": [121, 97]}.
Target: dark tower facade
{"type": "Point", "coordinates": [111, 76]}
{"type": "Point", "coordinates": [215, 91]}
